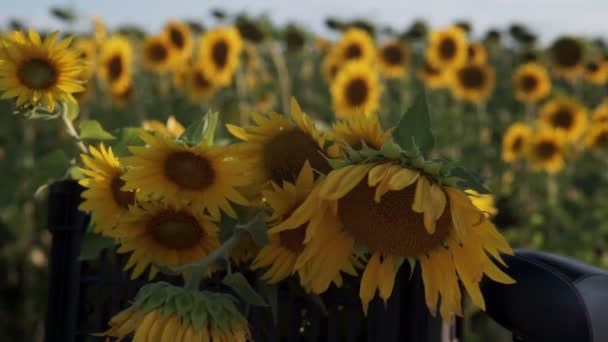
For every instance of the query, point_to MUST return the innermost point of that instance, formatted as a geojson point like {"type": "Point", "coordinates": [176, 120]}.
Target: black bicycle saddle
{"type": "Point", "coordinates": [555, 299]}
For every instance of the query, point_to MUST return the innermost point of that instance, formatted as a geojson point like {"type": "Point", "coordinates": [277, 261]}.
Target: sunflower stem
{"type": "Point", "coordinates": [552, 190]}
{"type": "Point", "coordinates": [69, 125]}
{"type": "Point", "coordinates": [284, 82]}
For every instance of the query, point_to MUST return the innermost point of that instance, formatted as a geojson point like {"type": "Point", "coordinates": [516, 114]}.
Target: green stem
{"type": "Point", "coordinates": [552, 190]}
{"type": "Point", "coordinates": [69, 125]}
{"type": "Point", "coordinates": [283, 74]}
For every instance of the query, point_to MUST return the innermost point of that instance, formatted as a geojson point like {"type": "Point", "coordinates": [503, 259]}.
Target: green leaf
{"type": "Point", "coordinates": [201, 131]}
{"type": "Point", "coordinates": [48, 168]}
{"type": "Point", "coordinates": [72, 109]}
{"type": "Point", "coordinates": [127, 136]}
{"type": "Point", "coordinates": [93, 244]}
{"type": "Point", "coordinates": [76, 173]}
{"type": "Point", "coordinates": [91, 129]}
{"type": "Point", "coordinates": [240, 285]}
{"type": "Point", "coordinates": [258, 233]}
{"type": "Point", "coordinates": [414, 128]}
{"type": "Point", "coordinates": [467, 180]}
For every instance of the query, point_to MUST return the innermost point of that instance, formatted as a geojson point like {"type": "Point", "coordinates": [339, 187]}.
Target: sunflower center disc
{"type": "Point", "coordinates": [176, 230]}
{"type": "Point", "coordinates": [353, 51]}
{"type": "Point", "coordinates": [562, 119]}
{"type": "Point", "coordinates": [356, 92]}
{"type": "Point", "coordinates": [189, 171]}
{"type": "Point", "coordinates": [286, 153]}
{"type": "Point", "coordinates": [567, 52]}
{"type": "Point", "coordinates": [447, 48]}
{"type": "Point", "coordinates": [546, 150]}
{"type": "Point", "coordinates": [250, 32]}
{"type": "Point", "coordinates": [390, 226]}
{"type": "Point", "coordinates": [177, 38]}
{"type": "Point", "coordinates": [158, 52]}
{"type": "Point", "coordinates": [37, 73]}
{"type": "Point", "coordinates": [200, 81]}
{"type": "Point", "coordinates": [219, 53]}
{"type": "Point", "coordinates": [122, 198]}
{"type": "Point", "coordinates": [115, 67]}
{"type": "Point", "coordinates": [393, 55]}
{"type": "Point", "coordinates": [529, 83]}
{"type": "Point", "coordinates": [472, 77]}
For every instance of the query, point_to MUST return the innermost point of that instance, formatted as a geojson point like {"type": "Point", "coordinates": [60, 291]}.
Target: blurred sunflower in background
{"type": "Point", "coordinates": [567, 55]}
{"type": "Point", "coordinates": [87, 49]}
{"type": "Point", "coordinates": [219, 53]}
{"type": "Point", "coordinates": [597, 137]}
{"type": "Point", "coordinates": [531, 82]}
{"type": "Point", "coordinates": [356, 90]}
{"type": "Point", "coordinates": [393, 59]}
{"type": "Point", "coordinates": [180, 38]}
{"type": "Point", "coordinates": [104, 195]}
{"type": "Point", "coordinates": [123, 98]}
{"type": "Point", "coordinates": [39, 72]}
{"type": "Point", "coordinates": [546, 149]}
{"type": "Point", "coordinates": [596, 72]}
{"type": "Point", "coordinates": [115, 64]}
{"type": "Point", "coordinates": [158, 54]}
{"type": "Point", "coordinates": [172, 128]}
{"type": "Point", "coordinates": [600, 113]}
{"type": "Point", "coordinates": [477, 53]}
{"type": "Point", "coordinates": [447, 49]}
{"type": "Point", "coordinates": [168, 233]}
{"type": "Point", "coordinates": [356, 44]}
{"type": "Point", "coordinates": [565, 114]}
{"type": "Point", "coordinates": [515, 140]}
{"type": "Point", "coordinates": [198, 84]}
{"type": "Point", "coordinates": [330, 66]}
{"type": "Point", "coordinates": [432, 77]}
{"type": "Point", "coordinates": [354, 132]}
{"type": "Point", "coordinates": [472, 82]}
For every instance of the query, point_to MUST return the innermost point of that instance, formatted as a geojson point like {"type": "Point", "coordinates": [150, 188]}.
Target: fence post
{"type": "Point", "coordinates": [67, 225]}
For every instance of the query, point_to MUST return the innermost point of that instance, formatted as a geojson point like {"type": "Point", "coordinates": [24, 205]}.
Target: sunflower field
{"type": "Point", "coordinates": [243, 146]}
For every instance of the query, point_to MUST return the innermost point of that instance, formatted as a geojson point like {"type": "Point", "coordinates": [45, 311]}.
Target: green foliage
{"type": "Point", "coordinates": [239, 284]}
{"type": "Point", "coordinates": [414, 129]}
{"type": "Point", "coordinates": [202, 130]}
{"type": "Point", "coordinates": [91, 129]}
{"type": "Point", "coordinates": [50, 167]}
{"type": "Point", "coordinates": [93, 244]}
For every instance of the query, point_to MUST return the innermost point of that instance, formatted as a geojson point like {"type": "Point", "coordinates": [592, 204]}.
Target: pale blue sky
{"type": "Point", "coordinates": [547, 17]}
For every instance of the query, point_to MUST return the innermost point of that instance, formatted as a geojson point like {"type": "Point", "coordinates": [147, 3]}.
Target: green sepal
{"type": "Point", "coordinates": [398, 262]}
{"type": "Point", "coordinates": [391, 150]}
{"type": "Point", "coordinates": [220, 318]}
{"type": "Point", "coordinates": [199, 315]}
{"type": "Point", "coordinates": [337, 163]}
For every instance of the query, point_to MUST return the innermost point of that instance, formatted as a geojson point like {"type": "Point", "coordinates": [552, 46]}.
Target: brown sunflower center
{"type": "Point", "coordinates": [447, 48]}
{"type": "Point", "coordinates": [157, 52]}
{"type": "Point", "coordinates": [115, 67]}
{"type": "Point", "coordinates": [38, 73]}
{"type": "Point", "coordinates": [200, 82]}
{"type": "Point", "coordinates": [189, 170]}
{"type": "Point", "coordinates": [177, 38]}
{"type": "Point", "coordinates": [219, 53]}
{"type": "Point", "coordinates": [250, 31]}
{"type": "Point", "coordinates": [545, 150]}
{"type": "Point", "coordinates": [285, 154]}
{"type": "Point", "coordinates": [563, 118]}
{"type": "Point", "coordinates": [518, 144]}
{"type": "Point", "coordinates": [471, 51]}
{"type": "Point", "coordinates": [353, 51]}
{"type": "Point", "coordinates": [593, 67]}
{"type": "Point", "coordinates": [528, 83]}
{"type": "Point", "coordinates": [567, 52]}
{"type": "Point", "coordinates": [294, 40]}
{"type": "Point", "coordinates": [393, 55]}
{"type": "Point", "coordinates": [390, 226]}
{"type": "Point", "coordinates": [472, 77]}
{"type": "Point", "coordinates": [175, 230]}
{"type": "Point", "coordinates": [122, 198]}
{"type": "Point", "coordinates": [356, 92]}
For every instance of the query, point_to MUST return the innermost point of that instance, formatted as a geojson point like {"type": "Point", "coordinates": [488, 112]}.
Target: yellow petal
{"type": "Point", "coordinates": [369, 281]}
{"type": "Point", "coordinates": [402, 179]}
{"type": "Point", "coordinates": [141, 334]}
{"type": "Point", "coordinates": [422, 190]}
{"type": "Point", "coordinates": [434, 207]}
{"type": "Point", "coordinates": [430, 278]}
{"type": "Point", "coordinates": [386, 277]}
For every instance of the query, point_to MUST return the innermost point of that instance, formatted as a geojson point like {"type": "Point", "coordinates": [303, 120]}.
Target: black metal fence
{"type": "Point", "coordinates": [83, 296]}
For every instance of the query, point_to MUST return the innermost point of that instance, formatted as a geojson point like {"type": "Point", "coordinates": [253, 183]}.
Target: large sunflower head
{"type": "Point", "coordinates": [163, 312]}
{"type": "Point", "coordinates": [514, 141]}
{"type": "Point", "coordinates": [448, 48]}
{"type": "Point", "coordinates": [219, 53]}
{"type": "Point", "coordinates": [199, 85]}
{"type": "Point", "coordinates": [356, 44]}
{"type": "Point", "coordinates": [115, 63]}
{"type": "Point", "coordinates": [87, 49]}
{"type": "Point", "coordinates": [393, 59]}
{"type": "Point", "coordinates": [180, 38]}
{"type": "Point", "coordinates": [277, 149]}
{"type": "Point", "coordinates": [596, 71]}
{"type": "Point", "coordinates": [597, 137]}
{"type": "Point", "coordinates": [531, 82]}
{"type": "Point", "coordinates": [36, 71]}
{"type": "Point", "coordinates": [477, 53]}
{"type": "Point", "coordinates": [472, 82]}
{"type": "Point", "coordinates": [432, 77]}
{"type": "Point", "coordinates": [356, 90]}
{"type": "Point", "coordinates": [205, 176]}
{"type": "Point", "coordinates": [171, 234]}
{"type": "Point", "coordinates": [158, 54]}
{"type": "Point", "coordinates": [565, 114]}
{"type": "Point", "coordinates": [104, 195]}
{"type": "Point", "coordinates": [567, 57]}
{"type": "Point", "coordinates": [546, 150]}
{"type": "Point", "coordinates": [396, 211]}
{"type": "Point", "coordinates": [355, 133]}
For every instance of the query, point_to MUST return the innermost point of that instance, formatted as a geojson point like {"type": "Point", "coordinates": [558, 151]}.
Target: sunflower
{"type": "Point", "coordinates": [162, 312]}
{"type": "Point", "coordinates": [596, 72]}
{"type": "Point", "coordinates": [356, 90]}
{"type": "Point", "coordinates": [219, 52]}
{"type": "Point", "coordinates": [204, 176]}
{"type": "Point", "coordinates": [397, 212]}
{"type": "Point", "coordinates": [432, 77]}
{"type": "Point", "coordinates": [477, 53]}
{"type": "Point", "coordinates": [567, 55]}
{"type": "Point", "coordinates": [531, 82]}
{"type": "Point", "coordinates": [173, 128]}
{"type": "Point", "coordinates": [514, 141]}
{"type": "Point", "coordinates": [472, 82]}
{"type": "Point", "coordinates": [393, 58]}
{"type": "Point", "coordinates": [597, 137]}
{"type": "Point", "coordinates": [600, 113]}
{"type": "Point", "coordinates": [546, 149]}
{"type": "Point", "coordinates": [115, 63]}
{"type": "Point", "coordinates": [355, 131]}
{"type": "Point", "coordinates": [331, 65]}
{"type": "Point", "coordinates": [104, 195]}
{"type": "Point", "coordinates": [277, 149]}
{"type": "Point", "coordinates": [158, 54]}
{"type": "Point", "coordinates": [39, 72]}
{"type": "Point", "coordinates": [180, 38]}
{"type": "Point", "coordinates": [356, 44]}
{"type": "Point", "coordinates": [565, 114]}
{"type": "Point", "coordinates": [87, 49]}
{"type": "Point", "coordinates": [199, 85]}
{"type": "Point", "coordinates": [168, 233]}
{"type": "Point", "coordinates": [448, 48]}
